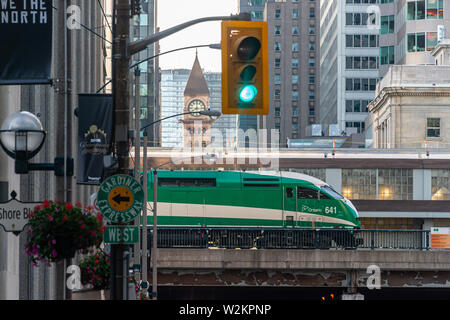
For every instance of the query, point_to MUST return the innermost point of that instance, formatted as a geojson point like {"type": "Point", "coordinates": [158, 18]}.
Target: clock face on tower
{"type": "Point", "coordinates": [196, 106]}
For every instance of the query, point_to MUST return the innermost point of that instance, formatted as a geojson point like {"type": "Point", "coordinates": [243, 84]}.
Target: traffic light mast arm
{"type": "Point", "coordinates": [138, 46]}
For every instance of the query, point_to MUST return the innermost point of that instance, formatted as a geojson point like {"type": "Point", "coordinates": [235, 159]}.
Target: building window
{"type": "Point", "coordinates": [416, 42]}
{"type": "Point", "coordinates": [440, 184]}
{"type": "Point", "coordinates": [277, 79]}
{"type": "Point", "coordinates": [433, 127]}
{"type": "Point", "coordinates": [387, 55]}
{"type": "Point", "coordinates": [359, 184]}
{"type": "Point", "coordinates": [387, 24]}
{"type": "Point", "coordinates": [395, 184]}
{"type": "Point", "coordinates": [277, 46]}
{"type": "Point", "coordinates": [277, 30]}
{"type": "Point", "coordinates": [277, 62]}
{"type": "Point", "coordinates": [277, 14]}
{"type": "Point", "coordinates": [377, 184]}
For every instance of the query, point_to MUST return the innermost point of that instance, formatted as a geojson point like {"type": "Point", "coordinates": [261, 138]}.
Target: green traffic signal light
{"type": "Point", "coordinates": [248, 93]}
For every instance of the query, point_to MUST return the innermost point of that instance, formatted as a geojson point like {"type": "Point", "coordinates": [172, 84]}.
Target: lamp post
{"type": "Point", "coordinates": [22, 137]}
{"type": "Point", "coordinates": [154, 259]}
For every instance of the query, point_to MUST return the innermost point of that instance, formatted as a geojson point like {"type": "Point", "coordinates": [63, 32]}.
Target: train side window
{"type": "Point", "coordinates": [323, 196]}
{"type": "Point", "coordinates": [186, 182]}
{"type": "Point", "coordinates": [306, 193]}
{"type": "Point", "coordinates": [289, 193]}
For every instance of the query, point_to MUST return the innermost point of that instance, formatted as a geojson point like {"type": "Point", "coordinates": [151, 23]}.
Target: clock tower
{"type": "Point", "coordinates": [196, 127]}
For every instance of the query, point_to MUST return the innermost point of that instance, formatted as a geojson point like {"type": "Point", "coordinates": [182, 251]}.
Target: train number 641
{"type": "Point", "coordinates": [330, 210]}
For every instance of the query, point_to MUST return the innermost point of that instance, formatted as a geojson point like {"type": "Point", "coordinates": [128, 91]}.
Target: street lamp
{"type": "Point", "coordinates": [22, 137]}
{"type": "Point", "coordinates": [210, 113]}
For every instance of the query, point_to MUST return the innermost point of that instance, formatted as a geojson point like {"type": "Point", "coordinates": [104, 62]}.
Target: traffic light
{"type": "Point", "coordinates": [245, 63]}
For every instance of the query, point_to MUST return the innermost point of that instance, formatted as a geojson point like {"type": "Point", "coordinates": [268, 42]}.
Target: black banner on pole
{"type": "Point", "coordinates": [26, 41]}
{"type": "Point", "coordinates": [95, 125]}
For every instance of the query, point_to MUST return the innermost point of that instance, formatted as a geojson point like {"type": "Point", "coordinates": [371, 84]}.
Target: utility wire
{"type": "Point", "coordinates": [104, 15]}
{"type": "Point", "coordinates": [90, 30]}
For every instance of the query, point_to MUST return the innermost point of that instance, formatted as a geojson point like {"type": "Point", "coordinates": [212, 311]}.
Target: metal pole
{"type": "Point", "coordinates": [121, 94]}
{"type": "Point", "coordinates": [62, 192]}
{"type": "Point", "coordinates": [155, 237]}
{"type": "Point", "coordinates": [140, 45]}
{"type": "Point", "coordinates": [137, 152]}
{"type": "Point", "coordinates": [144, 214]}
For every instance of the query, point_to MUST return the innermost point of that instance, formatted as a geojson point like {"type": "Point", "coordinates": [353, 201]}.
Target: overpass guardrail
{"type": "Point", "coordinates": [289, 238]}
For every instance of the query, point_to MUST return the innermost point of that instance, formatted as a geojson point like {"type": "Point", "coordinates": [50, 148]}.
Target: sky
{"type": "Point", "coordinates": [174, 12]}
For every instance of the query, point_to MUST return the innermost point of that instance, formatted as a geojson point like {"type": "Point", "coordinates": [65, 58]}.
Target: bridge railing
{"type": "Point", "coordinates": [289, 238]}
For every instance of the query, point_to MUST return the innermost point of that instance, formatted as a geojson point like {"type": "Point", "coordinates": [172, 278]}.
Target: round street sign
{"type": "Point", "coordinates": [120, 198]}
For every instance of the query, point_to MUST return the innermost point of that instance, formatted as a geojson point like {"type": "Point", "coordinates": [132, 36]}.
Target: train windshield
{"type": "Point", "coordinates": [332, 192]}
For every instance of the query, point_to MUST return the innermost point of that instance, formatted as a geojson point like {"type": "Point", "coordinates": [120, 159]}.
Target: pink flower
{"type": "Point", "coordinates": [82, 226]}
{"type": "Point", "coordinates": [50, 217]}
{"type": "Point", "coordinates": [54, 253]}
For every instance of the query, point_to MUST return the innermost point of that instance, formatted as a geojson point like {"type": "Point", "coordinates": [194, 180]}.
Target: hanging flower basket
{"type": "Point", "coordinates": [95, 270]}
{"type": "Point", "coordinates": [57, 230]}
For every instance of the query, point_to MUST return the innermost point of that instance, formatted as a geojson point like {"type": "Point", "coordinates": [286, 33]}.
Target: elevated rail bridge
{"type": "Point", "coordinates": [192, 260]}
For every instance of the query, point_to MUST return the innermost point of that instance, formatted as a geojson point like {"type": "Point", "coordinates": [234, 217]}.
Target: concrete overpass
{"type": "Point", "coordinates": [349, 269]}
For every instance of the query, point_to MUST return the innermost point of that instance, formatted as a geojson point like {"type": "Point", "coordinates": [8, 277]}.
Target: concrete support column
{"type": "Point", "coordinates": [9, 243]}
{"type": "Point", "coordinates": [422, 184]}
{"type": "Point", "coordinates": [334, 178]}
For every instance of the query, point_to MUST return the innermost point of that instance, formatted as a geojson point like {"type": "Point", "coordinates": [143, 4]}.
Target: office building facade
{"type": "Point", "coordinates": [410, 30]}
{"type": "Point", "coordinates": [293, 67]}
{"type": "Point", "coordinates": [349, 63]}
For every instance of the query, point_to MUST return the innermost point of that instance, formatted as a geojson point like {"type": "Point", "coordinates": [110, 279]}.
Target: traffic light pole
{"type": "Point", "coordinates": [121, 78]}
{"type": "Point", "coordinates": [122, 52]}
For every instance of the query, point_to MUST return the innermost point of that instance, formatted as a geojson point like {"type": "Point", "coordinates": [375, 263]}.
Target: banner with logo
{"type": "Point", "coordinates": [95, 125]}
{"type": "Point", "coordinates": [26, 41]}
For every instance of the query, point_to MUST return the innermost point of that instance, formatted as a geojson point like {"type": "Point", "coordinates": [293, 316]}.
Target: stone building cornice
{"type": "Point", "coordinates": [389, 92]}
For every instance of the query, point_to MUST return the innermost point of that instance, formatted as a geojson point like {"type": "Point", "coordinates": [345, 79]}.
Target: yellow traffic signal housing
{"type": "Point", "coordinates": [245, 68]}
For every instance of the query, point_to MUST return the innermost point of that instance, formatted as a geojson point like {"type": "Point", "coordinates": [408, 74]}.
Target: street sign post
{"type": "Point", "coordinates": [120, 198]}
{"type": "Point", "coordinates": [121, 235]}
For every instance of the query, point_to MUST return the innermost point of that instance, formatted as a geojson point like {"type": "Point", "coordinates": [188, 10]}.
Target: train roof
{"type": "Point", "coordinates": [290, 175]}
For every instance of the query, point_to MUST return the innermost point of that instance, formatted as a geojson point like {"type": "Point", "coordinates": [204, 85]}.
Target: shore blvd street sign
{"type": "Point", "coordinates": [121, 234]}
{"type": "Point", "coordinates": [14, 215]}
{"type": "Point", "coordinates": [120, 198]}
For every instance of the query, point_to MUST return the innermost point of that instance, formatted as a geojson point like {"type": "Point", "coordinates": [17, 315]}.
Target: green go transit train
{"type": "Point", "coordinates": [249, 199]}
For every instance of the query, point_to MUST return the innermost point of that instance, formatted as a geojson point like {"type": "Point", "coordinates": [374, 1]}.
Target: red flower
{"type": "Point", "coordinates": [65, 218]}
{"type": "Point", "coordinates": [96, 261]}
{"type": "Point", "coordinates": [37, 208]}
{"type": "Point", "coordinates": [78, 204]}
{"type": "Point", "coordinates": [46, 204]}
{"type": "Point", "coordinates": [69, 206]}
{"type": "Point", "coordinates": [99, 217]}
